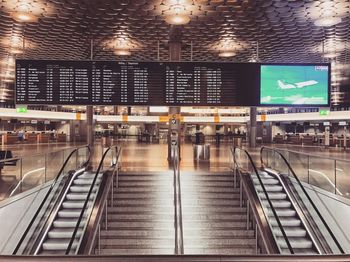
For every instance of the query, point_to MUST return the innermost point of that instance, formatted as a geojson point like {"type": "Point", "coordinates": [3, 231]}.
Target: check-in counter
{"type": "Point", "coordinates": [43, 138]}
{"type": "Point", "coordinates": [30, 137]}
{"type": "Point", "coordinates": [308, 140]}
{"type": "Point", "coordinates": [61, 138]}
{"type": "Point", "coordinates": [278, 139]}
{"type": "Point", "coordinates": [295, 140]}
{"type": "Point", "coordinates": [8, 139]}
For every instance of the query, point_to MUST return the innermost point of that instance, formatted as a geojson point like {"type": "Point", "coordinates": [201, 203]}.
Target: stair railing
{"type": "Point", "coordinates": [179, 245]}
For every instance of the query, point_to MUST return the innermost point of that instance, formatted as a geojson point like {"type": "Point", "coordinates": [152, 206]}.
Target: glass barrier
{"type": "Point", "coordinates": [314, 170]}
{"type": "Point", "coordinates": [332, 175]}
{"type": "Point", "coordinates": [40, 218]}
{"type": "Point", "coordinates": [25, 173]}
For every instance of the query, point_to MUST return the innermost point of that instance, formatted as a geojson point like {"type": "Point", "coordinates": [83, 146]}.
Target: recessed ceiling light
{"type": "Point", "coordinates": [330, 55]}
{"type": "Point", "coordinates": [327, 21]}
{"type": "Point", "coordinates": [122, 52]}
{"type": "Point", "coordinates": [227, 54]}
{"type": "Point", "coordinates": [24, 17]}
{"type": "Point", "coordinates": [177, 19]}
{"type": "Point", "coordinates": [16, 51]}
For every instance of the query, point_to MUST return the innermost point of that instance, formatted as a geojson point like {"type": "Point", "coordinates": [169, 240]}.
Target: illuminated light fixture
{"type": "Point", "coordinates": [227, 54]}
{"type": "Point", "coordinates": [330, 55]}
{"type": "Point", "coordinates": [24, 17]}
{"type": "Point", "coordinates": [8, 80]}
{"type": "Point", "coordinates": [122, 52]}
{"type": "Point", "coordinates": [327, 21]}
{"type": "Point", "coordinates": [177, 15]}
{"type": "Point", "coordinates": [177, 19]}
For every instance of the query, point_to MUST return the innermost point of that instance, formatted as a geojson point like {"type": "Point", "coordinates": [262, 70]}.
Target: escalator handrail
{"type": "Point", "coordinates": [89, 234]}
{"type": "Point", "coordinates": [89, 194]}
{"type": "Point", "coordinates": [49, 192]}
{"type": "Point", "coordinates": [266, 195]}
{"type": "Point", "coordinates": [304, 191]}
{"type": "Point", "coordinates": [179, 245]}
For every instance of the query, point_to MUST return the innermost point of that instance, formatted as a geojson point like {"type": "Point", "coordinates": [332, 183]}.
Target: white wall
{"type": "Point", "coordinates": [16, 216]}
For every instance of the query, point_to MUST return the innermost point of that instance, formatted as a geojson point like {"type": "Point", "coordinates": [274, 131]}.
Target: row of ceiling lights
{"type": "Point", "coordinates": [177, 12]}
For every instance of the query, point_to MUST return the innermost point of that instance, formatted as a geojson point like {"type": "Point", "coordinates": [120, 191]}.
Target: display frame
{"type": "Point", "coordinates": [297, 105]}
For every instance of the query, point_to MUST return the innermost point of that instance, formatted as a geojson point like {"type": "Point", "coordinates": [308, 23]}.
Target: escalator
{"type": "Point", "coordinates": [57, 238]}
{"type": "Point", "coordinates": [287, 210]}
{"type": "Point", "coordinates": [298, 236]}
{"type": "Point", "coordinates": [59, 225]}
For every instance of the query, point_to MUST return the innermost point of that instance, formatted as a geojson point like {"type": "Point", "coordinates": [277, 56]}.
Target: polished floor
{"type": "Point", "coordinates": [333, 176]}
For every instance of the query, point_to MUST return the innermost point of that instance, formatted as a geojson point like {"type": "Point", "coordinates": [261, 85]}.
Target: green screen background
{"type": "Point", "coordinates": [271, 94]}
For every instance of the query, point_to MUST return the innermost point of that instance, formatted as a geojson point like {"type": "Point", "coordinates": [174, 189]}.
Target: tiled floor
{"type": "Point", "coordinates": [153, 157]}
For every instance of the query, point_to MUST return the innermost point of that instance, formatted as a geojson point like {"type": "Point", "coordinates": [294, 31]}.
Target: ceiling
{"type": "Point", "coordinates": [264, 30]}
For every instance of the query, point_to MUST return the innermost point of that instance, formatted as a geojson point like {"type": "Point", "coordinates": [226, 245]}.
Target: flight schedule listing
{"type": "Point", "coordinates": [135, 83]}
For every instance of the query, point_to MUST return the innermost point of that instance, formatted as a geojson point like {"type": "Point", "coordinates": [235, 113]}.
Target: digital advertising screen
{"type": "Point", "coordinates": [299, 85]}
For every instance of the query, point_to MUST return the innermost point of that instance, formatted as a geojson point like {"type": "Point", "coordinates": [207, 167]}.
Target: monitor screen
{"type": "Point", "coordinates": [298, 85]}
{"type": "Point", "coordinates": [342, 123]}
{"type": "Point", "coordinates": [326, 123]}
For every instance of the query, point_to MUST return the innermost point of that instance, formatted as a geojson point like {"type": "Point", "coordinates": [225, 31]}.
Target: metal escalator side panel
{"type": "Point", "coordinates": [307, 217]}
{"type": "Point", "coordinates": [34, 231]}
{"type": "Point", "coordinates": [270, 242]}
{"type": "Point", "coordinates": [298, 212]}
{"type": "Point", "coordinates": [53, 214]}
{"type": "Point", "coordinates": [87, 240]}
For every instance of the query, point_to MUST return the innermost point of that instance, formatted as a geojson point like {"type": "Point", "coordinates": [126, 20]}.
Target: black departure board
{"type": "Point", "coordinates": [136, 83]}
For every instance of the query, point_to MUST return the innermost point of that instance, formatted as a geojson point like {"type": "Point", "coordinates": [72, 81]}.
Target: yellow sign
{"type": "Point", "coordinates": [78, 116]}
{"type": "Point", "coordinates": [216, 119]}
{"type": "Point", "coordinates": [164, 119]}
{"type": "Point", "coordinates": [125, 118]}
{"type": "Point", "coordinates": [263, 118]}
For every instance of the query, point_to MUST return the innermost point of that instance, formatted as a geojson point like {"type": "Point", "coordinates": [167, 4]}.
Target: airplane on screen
{"type": "Point", "coordinates": [296, 85]}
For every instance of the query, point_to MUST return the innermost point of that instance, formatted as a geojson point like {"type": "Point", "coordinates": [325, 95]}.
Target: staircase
{"type": "Point", "coordinates": [213, 221]}
{"type": "Point", "coordinates": [61, 230]}
{"type": "Point", "coordinates": [297, 235]}
{"type": "Point", "coordinates": [142, 219]}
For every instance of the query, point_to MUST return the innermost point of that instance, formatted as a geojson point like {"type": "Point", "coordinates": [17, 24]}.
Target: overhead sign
{"type": "Point", "coordinates": [21, 110]}
{"type": "Point", "coordinates": [324, 112]}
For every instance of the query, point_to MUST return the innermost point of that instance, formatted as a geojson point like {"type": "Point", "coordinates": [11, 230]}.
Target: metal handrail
{"type": "Point", "coordinates": [86, 239]}
{"type": "Point", "coordinates": [307, 154]}
{"type": "Point", "coordinates": [179, 245]}
{"type": "Point", "coordinates": [305, 192]}
{"type": "Point", "coordinates": [266, 195]}
{"type": "Point", "coordinates": [87, 199]}
{"type": "Point", "coordinates": [49, 192]}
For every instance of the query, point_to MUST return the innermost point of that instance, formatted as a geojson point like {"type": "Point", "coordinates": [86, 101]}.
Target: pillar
{"type": "Point", "coordinates": [90, 125]}
{"type": "Point", "coordinates": [174, 55]}
{"type": "Point", "coordinates": [252, 126]}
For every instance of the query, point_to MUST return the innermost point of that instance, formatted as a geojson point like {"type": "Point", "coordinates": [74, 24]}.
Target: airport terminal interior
{"type": "Point", "coordinates": [174, 130]}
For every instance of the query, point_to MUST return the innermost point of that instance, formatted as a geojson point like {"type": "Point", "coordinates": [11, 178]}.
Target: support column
{"type": "Point", "coordinates": [115, 125]}
{"type": "Point", "coordinates": [252, 126]}
{"type": "Point", "coordinates": [90, 125]}
{"type": "Point", "coordinates": [174, 126]}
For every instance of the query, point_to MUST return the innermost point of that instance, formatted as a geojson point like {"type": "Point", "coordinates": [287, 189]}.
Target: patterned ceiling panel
{"type": "Point", "coordinates": [264, 30]}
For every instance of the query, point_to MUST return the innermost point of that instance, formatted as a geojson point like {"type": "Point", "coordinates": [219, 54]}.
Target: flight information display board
{"type": "Point", "coordinates": [137, 83]}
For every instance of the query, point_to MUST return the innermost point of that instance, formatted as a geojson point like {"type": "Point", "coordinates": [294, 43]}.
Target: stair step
{"type": "Point", "coordinates": [85, 181]}
{"type": "Point", "coordinates": [136, 251]}
{"type": "Point", "coordinates": [278, 203]}
{"type": "Point", "coordinates": [137, 242]}
{"type": "Point", "coordinates": [232, 250]}
{"type": "Point", "coordinates": [266, 181]}
{"type": "Point", "coordinates": [63, 233]}
{"type": "Point", "coordinates": [295, 242]}
{"type": "Point", "coordinates": [57, 244]}
{"type": "Point", "coordinates": [292, 232]}
{"type": "Point", "coordinates": [79, 196]}
{"type": "Point", "coordinates": [283, 212]}
{"type": "Point", "coordinates": [273, 196]}
{"type": "Point", "coordinates": [64, 223]}
{"type": "Point", "coordinates": [82, 189]}
{"type": "Point", "coordinates": [288, 222]}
